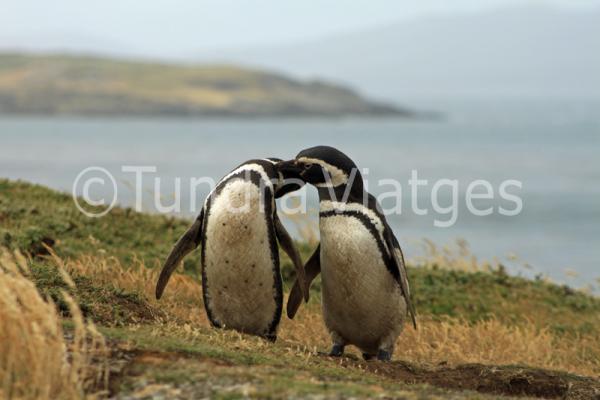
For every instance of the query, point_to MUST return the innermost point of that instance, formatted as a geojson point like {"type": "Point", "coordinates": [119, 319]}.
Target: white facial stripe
{"type": "Point", "coordinates": [245, 167]}
{"type": "Point", "coordinates": [280, 178]}
{"type": "Point", "coordinates": [251, 167]}
{"type": "Point", "coordinates": [263, 175]}
{"type": "Point", "coordinates": [338, 177]}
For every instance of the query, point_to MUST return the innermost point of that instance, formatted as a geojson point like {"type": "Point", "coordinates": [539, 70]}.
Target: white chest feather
{"type": "Point", "coordinates": [237, 262]}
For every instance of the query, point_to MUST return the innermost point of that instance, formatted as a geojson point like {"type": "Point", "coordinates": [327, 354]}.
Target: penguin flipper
{"type": "Point", "coordinates": [287, 243]}
{"type": "Point", "coordinates": [312, 269]}
{"type": "Point", "coordinates": [188, 242]}
{"type": "Point", "coordinates": [398, 258]}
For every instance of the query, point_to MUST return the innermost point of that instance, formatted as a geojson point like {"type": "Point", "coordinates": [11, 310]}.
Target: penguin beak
{"type": "Point", "coordinates": [290, 169]}
{"type": "Point", "coordinates": [292, 180]}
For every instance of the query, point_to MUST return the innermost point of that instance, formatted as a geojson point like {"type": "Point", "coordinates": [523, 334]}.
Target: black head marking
{"type": "Point", "coordinates": [269, 167]}
{"type": "Point", "coordinates": [281, 184]}
{"type": "Point", "coordinates": [324, 167]}
{"type": "Point", "coordinates": [329, 155]}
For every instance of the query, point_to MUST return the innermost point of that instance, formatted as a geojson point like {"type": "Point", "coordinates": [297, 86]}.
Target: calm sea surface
{"type": "Point", "coordinates": [552, 148]}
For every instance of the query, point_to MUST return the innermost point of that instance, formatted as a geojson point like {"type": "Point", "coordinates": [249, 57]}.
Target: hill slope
{"type": "Point", "coordinates": [473, 327]}
{"type": "Point", "coordinates": [98, 86]}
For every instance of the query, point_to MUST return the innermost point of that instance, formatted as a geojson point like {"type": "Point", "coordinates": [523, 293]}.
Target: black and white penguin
{"type": "Point", "coordinates": [238, 230]}
{"type": "Point", "coordinates": [365, 290]}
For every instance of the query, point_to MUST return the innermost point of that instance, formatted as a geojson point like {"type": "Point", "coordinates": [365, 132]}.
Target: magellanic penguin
{"type": "Point", "coordinates": [238, 229]}
{"type": "Point", "coordinates": [365, 291]}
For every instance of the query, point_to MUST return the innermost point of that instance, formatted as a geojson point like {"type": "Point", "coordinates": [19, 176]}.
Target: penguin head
{"type": "Point", "coordinates": [284, 186]}
{"type": "Point", "coordinates": [322, 166]}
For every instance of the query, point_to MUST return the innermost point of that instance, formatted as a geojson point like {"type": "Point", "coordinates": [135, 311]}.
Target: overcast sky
{"type": "Point", "coordinates": [178, 27]}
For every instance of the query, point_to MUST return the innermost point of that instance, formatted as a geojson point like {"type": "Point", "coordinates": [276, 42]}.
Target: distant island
{"type": "Point", "coordinates": [78, 85]}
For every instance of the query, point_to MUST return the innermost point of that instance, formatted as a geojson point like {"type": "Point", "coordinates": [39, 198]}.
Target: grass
{"type": "Point", "coordinates": [438, 339]}
{"type": "Point", "coordinates": [469, 314]}
{"type": "Point", "coordinates": [242, 364]}
{"type": "Point", "coordinates": [37, 361]}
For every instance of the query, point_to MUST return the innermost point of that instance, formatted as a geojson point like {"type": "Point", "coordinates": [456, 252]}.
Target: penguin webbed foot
{"type": "Point", "coordinates": [271, 337]}
{"type": "Point", "coordinates": [337, 350]}
{"type": "Point", "coordinates": [384, 355]}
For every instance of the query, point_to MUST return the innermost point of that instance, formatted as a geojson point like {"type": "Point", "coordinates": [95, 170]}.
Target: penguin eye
{"type": "Point", "coordinates": [307, 166]}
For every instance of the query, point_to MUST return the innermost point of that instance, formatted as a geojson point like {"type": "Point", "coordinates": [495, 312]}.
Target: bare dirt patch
{"type": "Point", "coordinates": [502, 380]}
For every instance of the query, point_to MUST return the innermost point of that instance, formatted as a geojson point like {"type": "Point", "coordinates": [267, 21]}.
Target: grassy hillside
{"type": "Point", "coordinates": [481, 334]}
{"type": "Point", "coordinates": [58, 84]}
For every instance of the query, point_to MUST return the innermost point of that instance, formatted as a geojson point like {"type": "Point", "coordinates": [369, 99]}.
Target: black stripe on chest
{"type": "Point", "coordinates": [368, 223]}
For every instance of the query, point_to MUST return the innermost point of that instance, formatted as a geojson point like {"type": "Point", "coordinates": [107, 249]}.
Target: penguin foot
{"type": "Point", "coordinates": [367, 356]}
{"type": "Point", "coordinates": [384, 355]}
{"type": "Point", "coordinates": [337, 350]}
{"type": "Point", "coordinates": [271, 337]}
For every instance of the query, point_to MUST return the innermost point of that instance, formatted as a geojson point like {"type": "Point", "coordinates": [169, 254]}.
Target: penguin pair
{"type": "Point", "coordinates": [238, 230]}
{"type": "Point", "coordinates": [365, 292]}
{"type": "Point", "coordinates": [365, 289]}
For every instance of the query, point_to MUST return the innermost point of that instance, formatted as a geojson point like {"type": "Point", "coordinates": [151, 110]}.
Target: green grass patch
{"type": "Point", "coordinates": [31, 215]}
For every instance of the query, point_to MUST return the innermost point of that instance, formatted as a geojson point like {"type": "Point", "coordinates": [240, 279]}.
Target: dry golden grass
{"type": "Point", "coordinates": [454, 342]}
{"type": "Point", "coordinates": [449, 341]}
{"type": "Point", "coordinates": [182, 299]}
{"type": "Point", "coordinates": [36, 361]}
